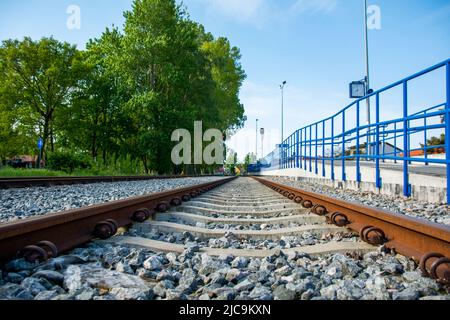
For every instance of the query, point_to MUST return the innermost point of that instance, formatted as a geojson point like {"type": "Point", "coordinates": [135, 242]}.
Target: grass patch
{"type": "Point", "coordinates": [8, 172]}
{"type": "Point", "coordinates": [11, 172]}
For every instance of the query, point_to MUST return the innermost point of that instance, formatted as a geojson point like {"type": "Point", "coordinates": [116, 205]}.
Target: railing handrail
{"type": "Point", "coordinates": [381, 140]}
{"type": "Point", "coordinates": [393, 85]}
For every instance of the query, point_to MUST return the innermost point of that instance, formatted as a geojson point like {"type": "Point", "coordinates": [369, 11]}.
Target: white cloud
{"type": "Point", "coordinates": [314, 6]}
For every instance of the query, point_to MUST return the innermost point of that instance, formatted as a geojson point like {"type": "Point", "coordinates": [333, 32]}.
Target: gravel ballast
{"type": "Point", "coordinates": [16, 204]}
{"type": "Point", "coordinates": [115, 272]}
{"type": "Point", "coordinates": [410, 207]}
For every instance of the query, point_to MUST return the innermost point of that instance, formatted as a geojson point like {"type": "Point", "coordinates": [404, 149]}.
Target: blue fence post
{"type": "Point", "coordinates": [294, 149]}
{"type": "Point", "coordinates": [344, 178]}
{"type": "Point", "coordinates": [377, 142]}
{"type": "Point", "coordinates": [301, 149]}
{"type": "Point", "coordinates": [406, 185]}
{"type": "Point", "coordinates": [323, 149]}
{"type": "Point", "coordinates": [282, 155]}
{"type": "Point", "coordinates": [447, 131]}
{"type": "Point", "coordinates": [292, 161]}
{"type": "Point", "coordinates": [285, 152]}
{"type": "Point", "coordinates": [289, 152]}
{"type": "Point", "coordinates": [383, 143]}
{"type": "Point", "coordinates": [358, 159]}
{"type": "Point", "coordinates": [310, 148]}
{"type": "Point", "coordinates": [369, 128]}
{"type": "Point", "coordinates": [306, 153]}
{"type": "Point", "coordinates": [332, 149]}
{"type": "Point", "coordinates": [317, 151]}
{"type": "Point", "coordinates": [297, 150]}
{"type": "Point", "coordinates": [425, 138]}
{"type": "Point", "coordinates": [409, 144]}
{"type": "Point", "coordinates": [395, 142]}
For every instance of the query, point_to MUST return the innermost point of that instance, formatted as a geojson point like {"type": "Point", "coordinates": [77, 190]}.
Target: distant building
{"type": "Point", "coordinates": [385, 148]}
{"type": "Point", "coordinates": [22, 162]}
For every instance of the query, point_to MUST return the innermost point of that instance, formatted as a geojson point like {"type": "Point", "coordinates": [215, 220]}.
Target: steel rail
{"type": "Point", "coordinates": [27, 182]}
{"type": "Point", "coordinates": [40, 238]}
{"type": "Point", "coordinates": [426, 242]}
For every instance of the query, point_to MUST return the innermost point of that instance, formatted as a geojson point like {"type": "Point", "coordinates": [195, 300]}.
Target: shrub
{"type": "Point", "coordinates": [68, 162]}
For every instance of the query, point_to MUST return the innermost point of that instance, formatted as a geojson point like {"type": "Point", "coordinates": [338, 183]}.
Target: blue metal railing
{"type": "Point", "coordinates": [302, 148]}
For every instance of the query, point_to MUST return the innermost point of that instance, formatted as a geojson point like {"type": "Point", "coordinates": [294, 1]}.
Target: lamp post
{"type": "Point", "coordinates": [282, 110]}
{"type": "Point", "coordinates": [261, 132]}
{"type": "Point", "coordinates": [366, 45]}
{"type": "Point", "coordinates": [257, 140]}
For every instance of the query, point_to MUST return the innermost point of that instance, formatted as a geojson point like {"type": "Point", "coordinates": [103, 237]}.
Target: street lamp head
{"type": "Point", "coordinates": [284, 82]}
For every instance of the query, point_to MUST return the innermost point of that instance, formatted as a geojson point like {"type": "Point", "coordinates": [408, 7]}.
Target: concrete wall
{"type": "Point", "coordinates": [424, 187]}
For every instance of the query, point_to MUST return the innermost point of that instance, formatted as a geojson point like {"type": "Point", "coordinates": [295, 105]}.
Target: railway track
{"type": "Point", "coordinates": [244, 217]}
{"type": "Point", "coordinates": [30, 182]}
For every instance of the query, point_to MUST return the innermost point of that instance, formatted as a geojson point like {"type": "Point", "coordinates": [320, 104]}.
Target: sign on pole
{"type": "Point", "coordinates": [40, 143]}
{"type": "Point", "coordinates": [357, 89]}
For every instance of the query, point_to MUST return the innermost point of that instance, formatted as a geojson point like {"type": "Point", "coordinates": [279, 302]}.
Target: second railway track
{"type": "Point", "coordinates": [237, 223]}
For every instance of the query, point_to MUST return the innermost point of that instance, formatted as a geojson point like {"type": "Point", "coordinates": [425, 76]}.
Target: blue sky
{"type": "Point", "coordinates": [315, 45]}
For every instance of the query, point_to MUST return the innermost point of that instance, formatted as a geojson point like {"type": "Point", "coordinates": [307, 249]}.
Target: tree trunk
{"type": "Point", "coordinates": [104, 157]}
{"type": "Point", "coordinates": [45, 137]}
{"type": "Point", "coordinates": [144, 162]}
{"type": "Point", "coordinates": [94, 146]}
{"type": "Point", "coordinates": [52, 147]}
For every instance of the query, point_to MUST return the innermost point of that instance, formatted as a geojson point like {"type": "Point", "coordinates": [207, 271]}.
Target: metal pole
{"type": "Point", "coordinates": [377, 146]}
{"type": "Point", "coordinates": [366, 45]}
{"type": "Point", "coordinates": [257, 140]}
{"type": "Point", "coordinates": [262, 145]}
{"type": "Point", "coordinates": [297, 150]}
{"type": "Point", "coordinates": [447, 130]}
{"type": "Point", "coordinates": [358, 151]}
{"type": "Point", "coordinates": [282, 111]}
{"type": "Point", "coordinates": [332, 149]}
{"type": "Point", "coordinates": [406, 185]}
{"type": "Point", "coordinates": [282, 114]}
{"type": "Point", "coordinates": [344, 178]}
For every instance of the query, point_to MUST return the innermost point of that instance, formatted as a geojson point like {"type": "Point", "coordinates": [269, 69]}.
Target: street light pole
{"type": "Point", "coordinates": [366, 45]}
{"type": "Point", "coordinates": [257, 140]}
{"type": "Point", "coordinates": [261, 132]}
{"type": "Point", "coordinates": [282, 110]}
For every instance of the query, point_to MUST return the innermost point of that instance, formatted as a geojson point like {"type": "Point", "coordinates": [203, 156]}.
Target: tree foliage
{"type": "Point", "coordinates": [36, 79]}
{"type": "Point", "coordinates": [120, 98]}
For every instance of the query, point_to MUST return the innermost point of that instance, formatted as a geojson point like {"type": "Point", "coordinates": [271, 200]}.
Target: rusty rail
{"type": "Point", "coordinates": [426, 242]}
{"type": "Point", "coordinates": [44, 237]}
{"type": "Point", "coordinates": [28, 182]}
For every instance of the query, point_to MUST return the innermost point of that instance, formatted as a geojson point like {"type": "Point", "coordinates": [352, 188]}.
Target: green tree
{"type": "Point", "coordinates": [175, 80]}
{"type": "Point", "coordinates": [96, 121]}
{"type": "Point", "coordinates": [36, 79]}
{"type": "Point", "coordinates": [124, 95]}
{"type": "Point", "coordinates": [228, 77]}
{"type": "Point", "coordinates": [435, 141]}
{"type": "Point", "coordinates": [247, 162]}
